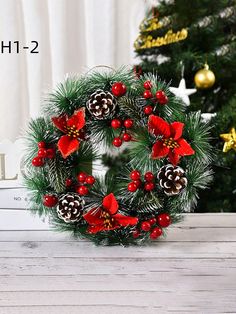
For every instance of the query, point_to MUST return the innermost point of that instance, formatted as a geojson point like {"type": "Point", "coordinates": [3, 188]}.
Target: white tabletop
{"type": "Point", "coordinates": [193, 270]}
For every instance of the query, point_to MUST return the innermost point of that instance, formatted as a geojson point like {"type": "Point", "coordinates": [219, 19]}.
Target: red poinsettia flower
{"type": "Point", "coordinates": [72, 127]}
{"type": "Point", "coordinates": [106, 216]}
{"type": "Point", "coordinates": [169, 140]}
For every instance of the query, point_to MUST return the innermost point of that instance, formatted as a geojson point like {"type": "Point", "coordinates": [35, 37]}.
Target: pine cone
{"type": "Point", "coordinates": [172, 179]}
{"type": "Point", "coordinates": [101, 104]}
{"type": "Point", "coordinates": [70, 207]}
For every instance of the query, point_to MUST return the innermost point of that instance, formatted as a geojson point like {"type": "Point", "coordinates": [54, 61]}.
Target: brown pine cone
{"type": "Point", "coordinates": [101, 105]}
{"type": "Point", "coordinates": [70, 207]}
{"type": "Point", "coordinates": [172, 179]}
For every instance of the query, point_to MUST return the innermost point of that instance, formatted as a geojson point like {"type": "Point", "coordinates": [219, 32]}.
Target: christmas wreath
{"type": "Point", "coordinates": [168, 157]}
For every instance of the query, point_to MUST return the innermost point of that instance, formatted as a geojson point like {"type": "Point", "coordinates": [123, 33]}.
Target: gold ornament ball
{"type": "Point", "coordinates": [204, 78]}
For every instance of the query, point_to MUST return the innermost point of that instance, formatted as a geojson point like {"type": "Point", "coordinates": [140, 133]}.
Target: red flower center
{"type": "Point", "coordinates": [108, 221]}
{"type": "Point", "coordinates": [72, 131]}
{"type": "Point", "coordinates": [170, 143]}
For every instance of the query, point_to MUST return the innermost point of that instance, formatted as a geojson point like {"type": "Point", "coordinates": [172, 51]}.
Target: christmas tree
{"type": "Point", "coordinates": [191, 44]}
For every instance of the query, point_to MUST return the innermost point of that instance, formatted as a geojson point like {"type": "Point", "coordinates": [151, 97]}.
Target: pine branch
{"type": "Point", "coordinates": [57, 174]}
{"type": "Point", "coordinates": [199, 136]}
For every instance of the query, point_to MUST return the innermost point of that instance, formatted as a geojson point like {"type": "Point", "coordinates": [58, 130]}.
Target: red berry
{"type": "Point", "coordinates": [82, 190]}
{"type": "Point", "coordinates": [117, 142]}
{"type": "Point", "coordinates": [149, 186]}
{"type": "Point", "coordinates": [42, 152]}
{"type": "Point", "coordinates": [128, 123]}
{"type": "Point", "coordinates": [138, 183]}
{"type": "Point", "coordinates": [37, 161]}
{"type": "Point", "coordinates": [50, 200]}
{"type": "Point", "coordinates": [51, 153]}
{"type": "Point", "coordinates": [132, 187]}
{"type": "Point", "coordinates": [152, 221]}
{"type": "Point", "coordinates": [149, 176]}
{"type": "Point", "coordinates": [135, 175]}
{"type": "Point", "coordinates": [90, 180]}
{"type": "Point", "coordinates": [148, 110]}
{"type": "Point", "coordinates": [136, 234]}
{"type": "Point", "coordinates": [41, 144]}
{"type": "Point", "coordinates": [156, 232]}
{"type": "Point", "coordinates": [147, 85]}
{"type": "Point", "coordinates": [126, 137]}
{"type": "Point", "coordinates": [81, 177]}
{"type": "Point", "coordinates": [164, 100]}
{"type": "Point", "coordinates": [147, 94]}
{"type": "Point", "coordinates": [116, 123]}
{"type": "Point", "coordinates": [160, 94]}
{"type": "Point", "coordinates": [145, 226]}
{"type": "Point", "coordinates": [68, 182]}
{"type": "Point", "coordinates": [118, 89]}
{"type": "Point", "coordinates": [163, 220]}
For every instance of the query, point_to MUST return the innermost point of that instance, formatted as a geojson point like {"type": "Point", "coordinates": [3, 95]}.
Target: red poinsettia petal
{"type": "Point", "coordinates": [158, 126]}
{"type": "Point", "coordinates": [173, 158]}
{"type": "Point", "coordinates": [95, 229]}
{"type": "Point", "coordinates": [125, 220]}
{"type": "Point", "coordinates": [176, 130]}
{"type": "Point", "coordinates": [60, 122]}
{"type": "Point", "coordinates": [67, 145]}
{"type": "Point", "coordinates": [184, 148]}
{"type": "Point", "coordinates": [93, 216]}
{"type": "Point", "coordinates": [110, 204]}
{"type": "Point", "coordinates": [77, 120]}
{"type": "Point", "coordinates": [159, 150]}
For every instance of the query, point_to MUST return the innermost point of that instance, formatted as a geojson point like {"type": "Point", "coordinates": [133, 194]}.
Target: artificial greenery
{"type": "Point", "coordinates": [211, 27]}
{"type": "Point", "coordinates": [50, 179]}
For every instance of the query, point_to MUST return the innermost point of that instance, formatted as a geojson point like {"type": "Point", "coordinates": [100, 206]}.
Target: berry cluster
{"type": "Point", "coordinates": [43, 153]}
{"type": "Point", "coordinates": [154, 226]}
{"type": "Point", "coordinates": [83, 181]}
{"type": "Point", "coordinates": [148, 184]}
{"type": "Point", "coordinates": [124, 135]}
{"type": "Point", "coordinates": [160, 97]}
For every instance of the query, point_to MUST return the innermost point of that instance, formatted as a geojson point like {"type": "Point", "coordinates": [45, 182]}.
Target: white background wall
{"type": "Point", "coordinates": [73, 36]}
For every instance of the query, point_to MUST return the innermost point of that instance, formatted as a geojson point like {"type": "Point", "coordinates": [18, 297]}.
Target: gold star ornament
{"type": "Point", "coordinates": [230, 140]}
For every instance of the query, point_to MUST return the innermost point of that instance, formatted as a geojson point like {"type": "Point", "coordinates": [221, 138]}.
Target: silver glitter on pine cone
{"type": "Point", "coordinates": [70, 207]}
{"type": "Point", "coordinates": [101, 104]}
{"type": "Point", "coordinates": [172, 179]}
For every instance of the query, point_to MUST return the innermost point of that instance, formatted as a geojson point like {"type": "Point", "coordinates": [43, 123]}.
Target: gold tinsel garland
{"type": "Point", "coordinates": [148, 41]}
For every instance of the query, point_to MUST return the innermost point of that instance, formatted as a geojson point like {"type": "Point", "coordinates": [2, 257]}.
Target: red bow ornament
{"type": "Point", "coordinates": [72, 128]}
{"type": "Point", "coordinates": [106, 217]}
{"type": "Point", "coordinates": [169, 140]}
